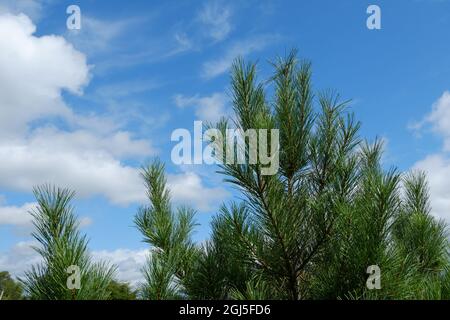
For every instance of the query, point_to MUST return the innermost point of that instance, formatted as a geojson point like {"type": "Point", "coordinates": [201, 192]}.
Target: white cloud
{"type": "Point", "coordinates": [188, 188]}
{"type": "Point", "coordinates": [88, 173]}
{"type": "Point", "coordinates": [125, 88]}
{"type": "Point", "coordinates": [94, 173]}
{"type": "Point", "coordinates": [184, 43]}
{"type": "Point", "coordinates": [119, 144]}
{"type": "Point", "coordinates": [19, 258]}
{"type": "Point", "coordinates": [97, 36]}
{"type": "Point", "coordinates": [437, 166]}
{"type": "Point", "coordinates": [85, 222]}
{"type": "Point", "coordinates": [32, 8]}
{"type": "Point", "coordinates": [87, 159]}
{"type": "Point", "coordinates": [16, 215]}
{"type": "Point", "coordinates": [20, 216]}
{"type": "Point", "coordinates": [129, 263]}
{"type": "Point", "coordinates": [221, 65]}
{"type": "Point", "coordinates": [207, 108]}
{"type": "Point", "coordinates": [439, 119]}
{"type": "Point", "coordinates": [22, 256]}
{"type": "Point", "coordinates": [216, 18]}
{"type": "Point", "coordinates": [35, 70]}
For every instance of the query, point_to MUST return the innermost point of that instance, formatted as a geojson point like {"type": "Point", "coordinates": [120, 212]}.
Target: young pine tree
{"type": "Point", "coordinates": [313, 229]}
{"type": "Point", "coordinates": [61, 246]}
{"type": "Point", "coordinates": [168, 232]}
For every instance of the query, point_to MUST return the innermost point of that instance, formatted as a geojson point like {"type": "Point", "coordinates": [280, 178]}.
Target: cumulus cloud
{"type": "Point", "coordinates": [19, 258]}
{"type": "Point", "coordinates": [207, 108]}
{"type": "Point", "coordinates": [88, 154]}
{"type": "Point", "coordinates": [188, 188]}
{"type": "Point", "coordinates": [88, 173]}
{"type": "Point", "coordinates": [119, 144]}
{"type": "Point", "coordinates": [16, 215]}
{"type": "Point", "coordinates": [22, 256]}
{"type": "Point", "coordinates": [85, 153]}
{"type": "Point", "coordinates": [437, 168]}
{"type": "Point", "coordinates": [94, 173]}
{"type": "Point", "coordinates": [129, 263]}
{"type": "Point", "coordinates": [35, 70]}
{"type": "Point", "coordinates": [20, 216]}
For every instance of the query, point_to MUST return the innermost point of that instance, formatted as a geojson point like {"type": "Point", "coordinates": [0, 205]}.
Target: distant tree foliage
{"type": "Point", "coordinates": [9, 288]}
{"type": "Point", "coordinates": [121, 291]}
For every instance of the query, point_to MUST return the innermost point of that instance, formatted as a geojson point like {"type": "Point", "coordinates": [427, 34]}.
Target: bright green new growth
{"type": "Point", "coordinates": [310, 231]}
{"type": "Point", "coordinates": [61, 245]}
{"type": "Point", "coordinates": [169, 234]}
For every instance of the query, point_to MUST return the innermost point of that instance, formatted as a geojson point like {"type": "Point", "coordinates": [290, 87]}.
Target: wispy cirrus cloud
{"type": "Point", "coordinates": [98, 36]}
{"type": "Point", "coordinates": [32, 8]}
{"type": "Point", "coordinates": [215, 17]}
{"type": "Point", "coordinates": [221, 65]}
{"type": "Point", "coordinates": [207, 108]}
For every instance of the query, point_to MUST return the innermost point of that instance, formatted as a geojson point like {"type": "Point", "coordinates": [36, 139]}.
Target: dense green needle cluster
{"type": "Point", "coordinates": [61, 245]}
{"type": "Point", "coordinates": [169, 234]}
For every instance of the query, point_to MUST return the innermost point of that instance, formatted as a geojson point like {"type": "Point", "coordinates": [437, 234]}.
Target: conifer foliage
{"type": "Point", "coordinates": [61, 246]}
{"type": "Point", "coordinates": [331, 214]}
{"type": "Point", "coordinates": [168, 231]}
{"type": "Point", "coordinates": [312, 230]}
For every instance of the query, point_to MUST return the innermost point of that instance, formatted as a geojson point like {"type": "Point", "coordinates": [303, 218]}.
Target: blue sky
{"type": "Point", "coordinates": [85, 109]}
